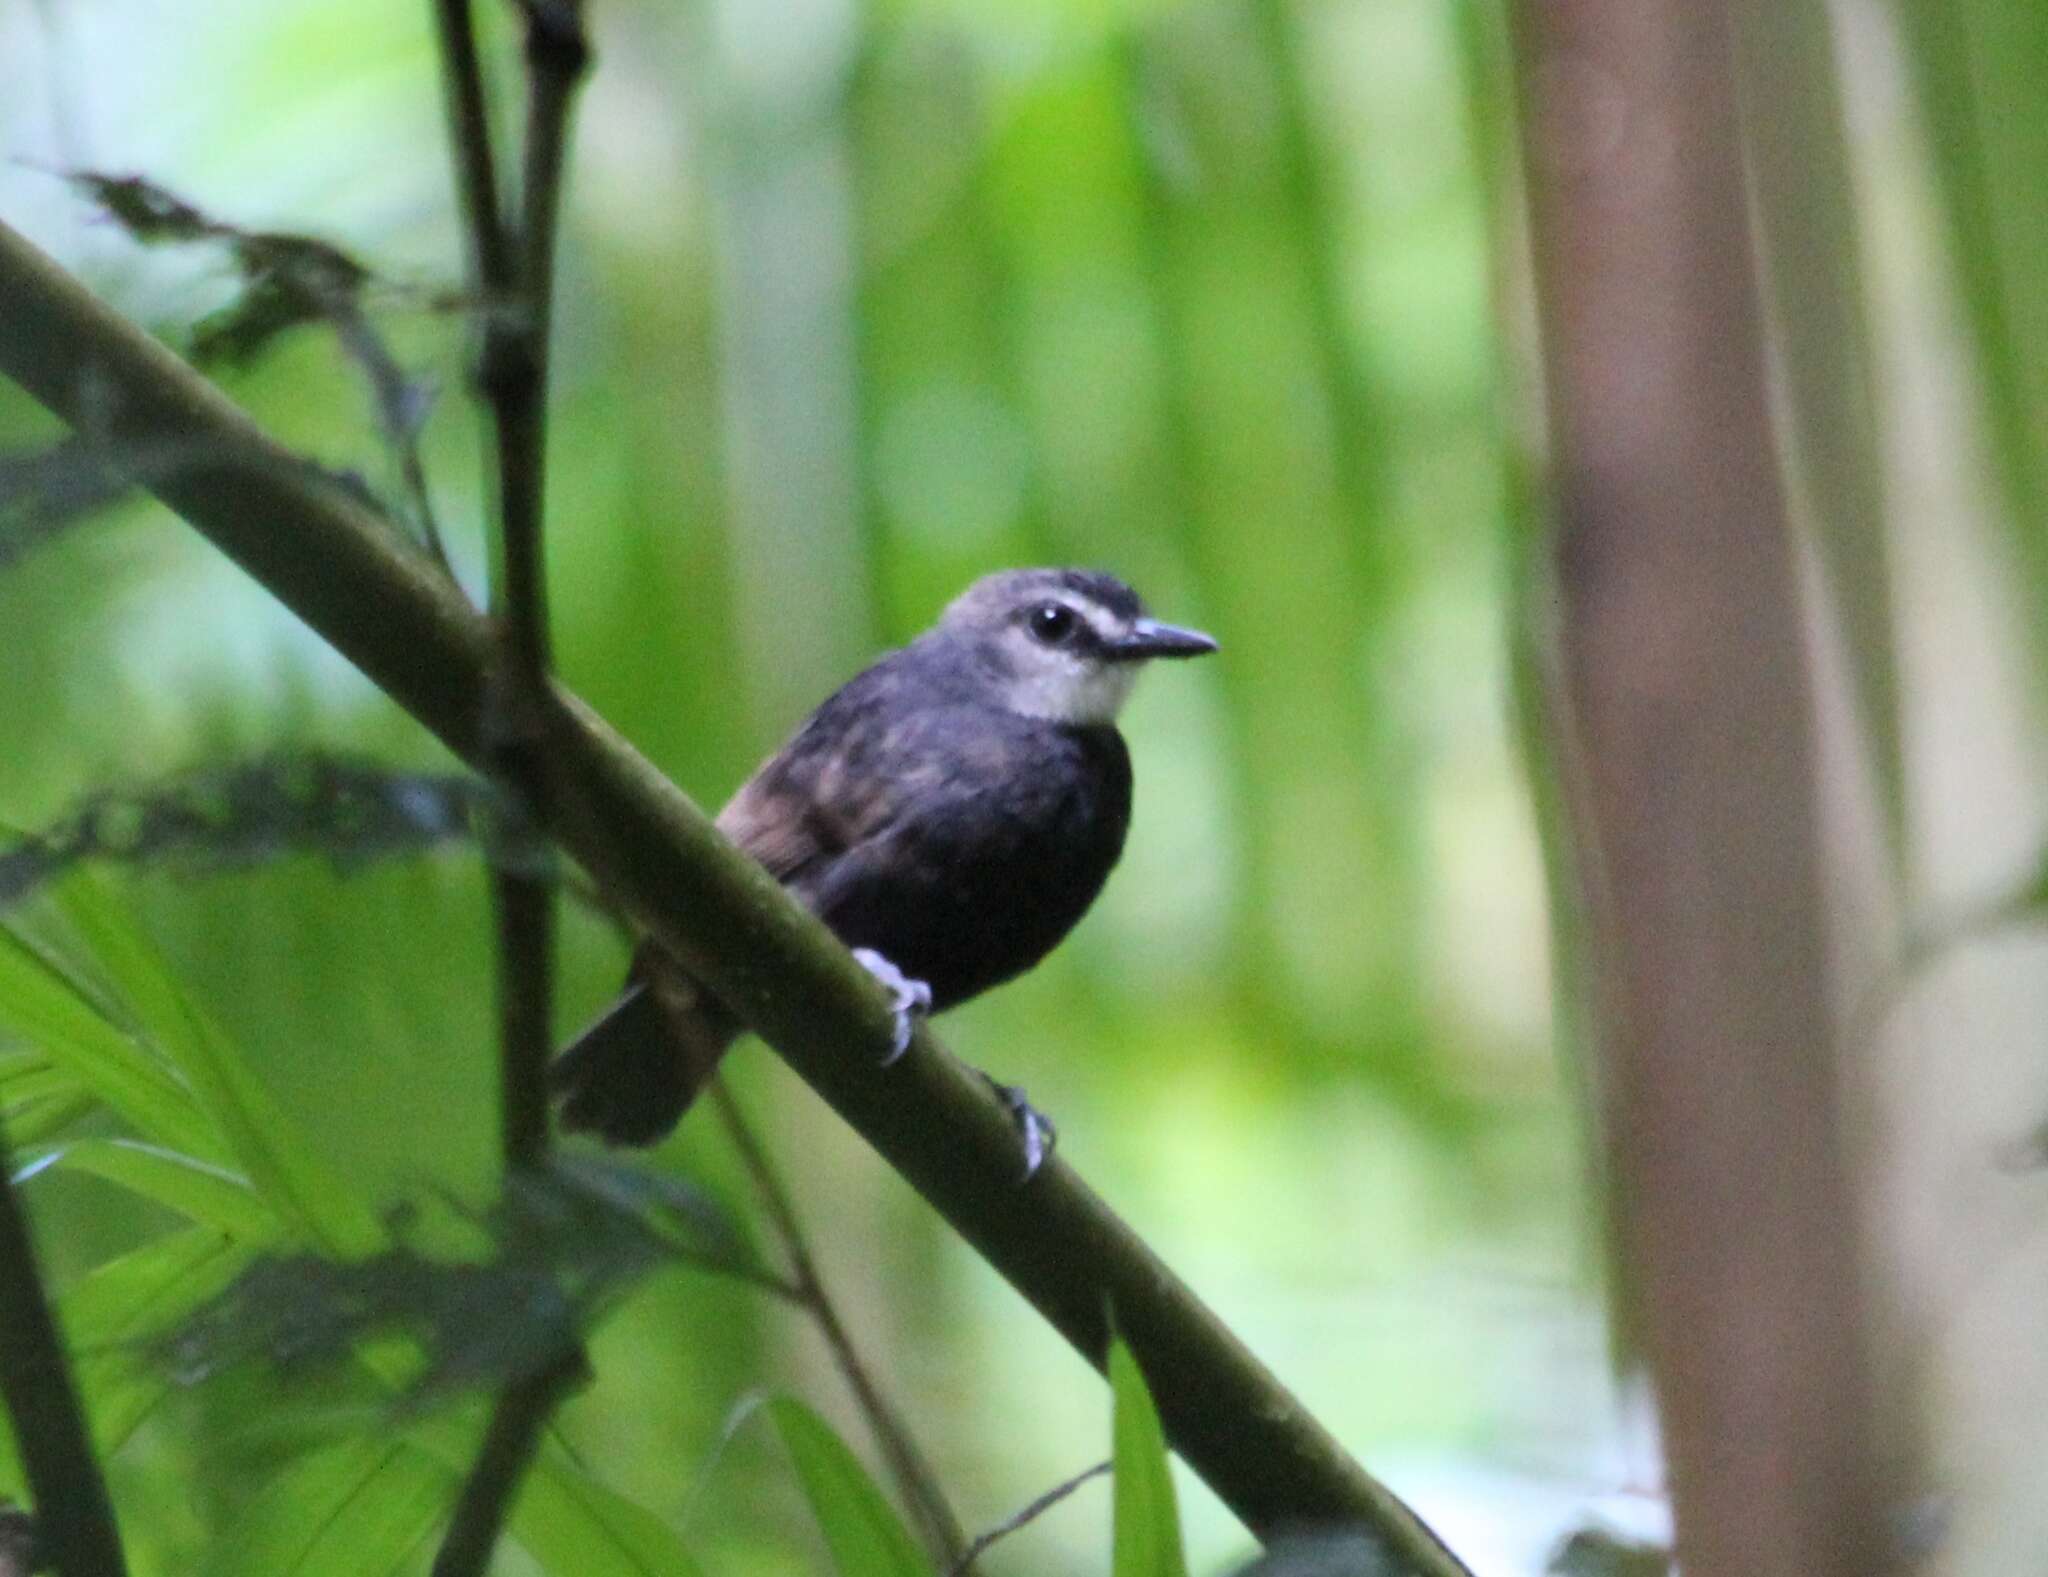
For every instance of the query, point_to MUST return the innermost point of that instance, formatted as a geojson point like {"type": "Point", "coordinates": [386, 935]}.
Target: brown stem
{"type": "Point", "coordinates": [1688, 697]}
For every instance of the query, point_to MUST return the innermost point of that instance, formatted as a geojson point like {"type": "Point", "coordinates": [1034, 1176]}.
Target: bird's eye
{"type": "Point", "coordinates": [1052, 623]}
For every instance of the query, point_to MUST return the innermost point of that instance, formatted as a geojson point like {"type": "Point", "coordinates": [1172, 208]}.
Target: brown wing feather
{"type": "Point", "coordinates": [800, 810]}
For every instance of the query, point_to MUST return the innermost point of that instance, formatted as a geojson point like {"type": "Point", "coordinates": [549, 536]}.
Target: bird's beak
{"type": "Point", "coordinates": [1149, 638]}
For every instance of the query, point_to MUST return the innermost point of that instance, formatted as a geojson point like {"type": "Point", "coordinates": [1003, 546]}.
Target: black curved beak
{"type": "Point", "coordinates": [1149, 638]}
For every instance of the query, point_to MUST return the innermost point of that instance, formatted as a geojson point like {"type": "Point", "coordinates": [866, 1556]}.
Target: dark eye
{"type": "Point", "coordinates": [1052, 623]}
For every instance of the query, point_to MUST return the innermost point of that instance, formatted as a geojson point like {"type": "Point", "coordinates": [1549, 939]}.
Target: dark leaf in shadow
{"type": "Point", "coordinates": [288, 280]}
{"type": "Point", "coordinates": [228, 817]}
{"type": "Point", "coordinates": [560, 1247]}
{"type": "Point", "coordinates": [44, 491]}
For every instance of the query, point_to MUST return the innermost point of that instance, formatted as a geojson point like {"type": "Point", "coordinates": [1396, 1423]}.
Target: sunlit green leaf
{"type": "Point", "coordinates": [48, 1009]}
{"type": "Point", "coordinates": [207, 1194]}
{"type": "Point", "coordinates": [32, 1122]}
{"type": "Point", "coordinates": [38, 1098]}
{"type": "Point", "coordinates": [862, 1530]}
{"type": "Point", "coordinates": [1147, 1519]}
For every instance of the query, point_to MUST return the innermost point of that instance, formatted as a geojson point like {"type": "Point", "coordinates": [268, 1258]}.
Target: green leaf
{"type": "Point", "coordinates": [572, 1524]}
{"type": "Point", "coordinates": [31, 1079]}
{"type": "Point", "coordinates": [357, 1510]}
{"type": "Point", "coordinates": [38, 1098]}
{"type": "Point", "coordinates": [51, 1010]}
{"type": "Point", "coordinates": [565, 1519]}
{"type": "Point", "coordinates": [278, 1156]}
{"type": "Point", "coordinates": [209, 1195]}
{"type": "Point", "coordinates": [33, 1121]}
{"type": "Point", "coordinates": [1147, 1537]}
{"type": "Point", "coordinates": [862, 1530]}
{"type": "Point", "coordinates": [107, 1317]}
{"type": "Point", "coordinates": [23, 1067]}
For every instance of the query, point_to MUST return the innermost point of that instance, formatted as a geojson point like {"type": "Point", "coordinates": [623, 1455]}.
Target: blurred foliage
{"type": "Point", "coordinates": [1145, 1528]}
{"type": "Point", "coordinates": [857, 303]}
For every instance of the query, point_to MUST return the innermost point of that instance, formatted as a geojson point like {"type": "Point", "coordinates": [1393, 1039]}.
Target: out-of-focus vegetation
{"type": "Point", "coordinates": [856, 303]}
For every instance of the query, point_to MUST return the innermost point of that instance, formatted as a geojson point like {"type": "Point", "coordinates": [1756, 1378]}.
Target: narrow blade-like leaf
{"type": "Point", "coordinates": [1147, 1538]}
{"type": "Point", "coordinates": [862, 1530]}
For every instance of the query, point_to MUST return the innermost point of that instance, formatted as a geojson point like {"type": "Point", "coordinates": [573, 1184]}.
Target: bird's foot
{"type": "Point", "coordinates": [1033, 1126]}
{"type": "Point", "coordinates": [910, 1000]}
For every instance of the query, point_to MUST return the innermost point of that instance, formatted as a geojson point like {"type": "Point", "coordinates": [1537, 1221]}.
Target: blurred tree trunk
{"type": "Point", "coordinates": [1692, 768]}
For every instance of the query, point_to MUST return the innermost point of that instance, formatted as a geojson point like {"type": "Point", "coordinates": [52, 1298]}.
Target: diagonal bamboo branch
{"type": "Point", "coordinates": [723, 917]}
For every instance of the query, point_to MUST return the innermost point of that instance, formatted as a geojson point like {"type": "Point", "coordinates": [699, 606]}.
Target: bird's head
{"type": "Point", "coordinates": [1063, 644]}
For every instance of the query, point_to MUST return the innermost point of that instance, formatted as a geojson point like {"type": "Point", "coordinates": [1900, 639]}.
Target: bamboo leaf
{"type": "Point", "coordinates": [278, 1156]}
{"type": "Point", "coordinates": [571, 1523]}
{"type": "Point", "coordinates": [1147, 1519]}
{"type": "Point", "coordinates": [357, 1510]}
{"type": "Point", "coordinates": [862, 1530]}
{"type": "Point", "coordinates": [48, 1008]}
{"type": "Point", "coordinates": [31, 1122]}
{"type": "Point", "coordinates": [107, 1316]}
{"type": "Point", "coordinates": [30, 1076]}
{"type": "Point", "coordinates": [38, 1098]}
{"type": "Point", "coordinates": [565, 1519]}
{"type": "Point", "coordinates": [208, 1195]}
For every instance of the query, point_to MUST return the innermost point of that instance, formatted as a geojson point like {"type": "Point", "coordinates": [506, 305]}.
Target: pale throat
{"type": "Point", "coordinates": [1082, 695]}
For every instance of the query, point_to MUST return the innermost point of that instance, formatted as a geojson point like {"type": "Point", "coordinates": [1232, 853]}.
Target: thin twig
{"type": "Point", "coordinates": [515, 366]}
{"type": "Point", "coordinates": [915, 1479]}
{"type": "Point", "coordinates": [512, 275]}
{"type": "Point", "coordinates": [469, 138]}
{"type": "Point", "coordinates": [513, 378]}
{"type": "Point", "coordinates": [74, 1521]}
{"type": "Point", "coordinates": [394, 397]}
{"type": "Point", "coordinates": [524, 908]}
{"type": "Point", "coordinates": [1024, 1518]}
{"type": "Point", "coordinates": [508, 1448]}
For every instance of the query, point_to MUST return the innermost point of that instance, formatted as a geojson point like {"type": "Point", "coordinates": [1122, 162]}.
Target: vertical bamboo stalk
{"type": "Point", "coordinates": [1687, 689]}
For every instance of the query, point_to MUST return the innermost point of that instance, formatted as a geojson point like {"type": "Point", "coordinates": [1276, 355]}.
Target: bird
{"type": "Point", "coordinates": [950, 813]}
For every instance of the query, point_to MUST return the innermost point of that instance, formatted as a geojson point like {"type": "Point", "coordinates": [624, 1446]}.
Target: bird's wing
{"type": "Point", "coordinates": [863, 773]}
{"type": "Point", "coordinates": [818, 796]}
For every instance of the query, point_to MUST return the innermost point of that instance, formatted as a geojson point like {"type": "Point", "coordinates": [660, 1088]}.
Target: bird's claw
{"type": "Point", "coordinates": [909, 999]}
{"type": "Point", "coordinates": [1033, 1126]}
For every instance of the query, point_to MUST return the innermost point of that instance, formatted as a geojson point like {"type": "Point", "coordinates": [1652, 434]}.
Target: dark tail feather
{"type": "Point", "coordinates": [630, 1076]}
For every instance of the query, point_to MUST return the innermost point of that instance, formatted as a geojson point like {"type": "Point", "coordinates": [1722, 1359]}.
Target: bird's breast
{"type": "Point", "coordinates": [1002, 862]}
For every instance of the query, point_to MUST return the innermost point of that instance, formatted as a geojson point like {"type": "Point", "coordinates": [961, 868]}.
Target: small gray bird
{"type": "Point", "coordinates": [950, 813]}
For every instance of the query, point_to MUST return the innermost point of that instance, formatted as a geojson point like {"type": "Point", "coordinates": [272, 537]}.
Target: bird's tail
{"type": "Point", "coordinates": [632, 1074]}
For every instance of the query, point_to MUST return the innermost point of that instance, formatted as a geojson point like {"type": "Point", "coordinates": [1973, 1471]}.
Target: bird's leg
{"type": "Point", "coordinates": [909, 999]}
{"type": "Point", "coordinates": [1033, 1126]}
